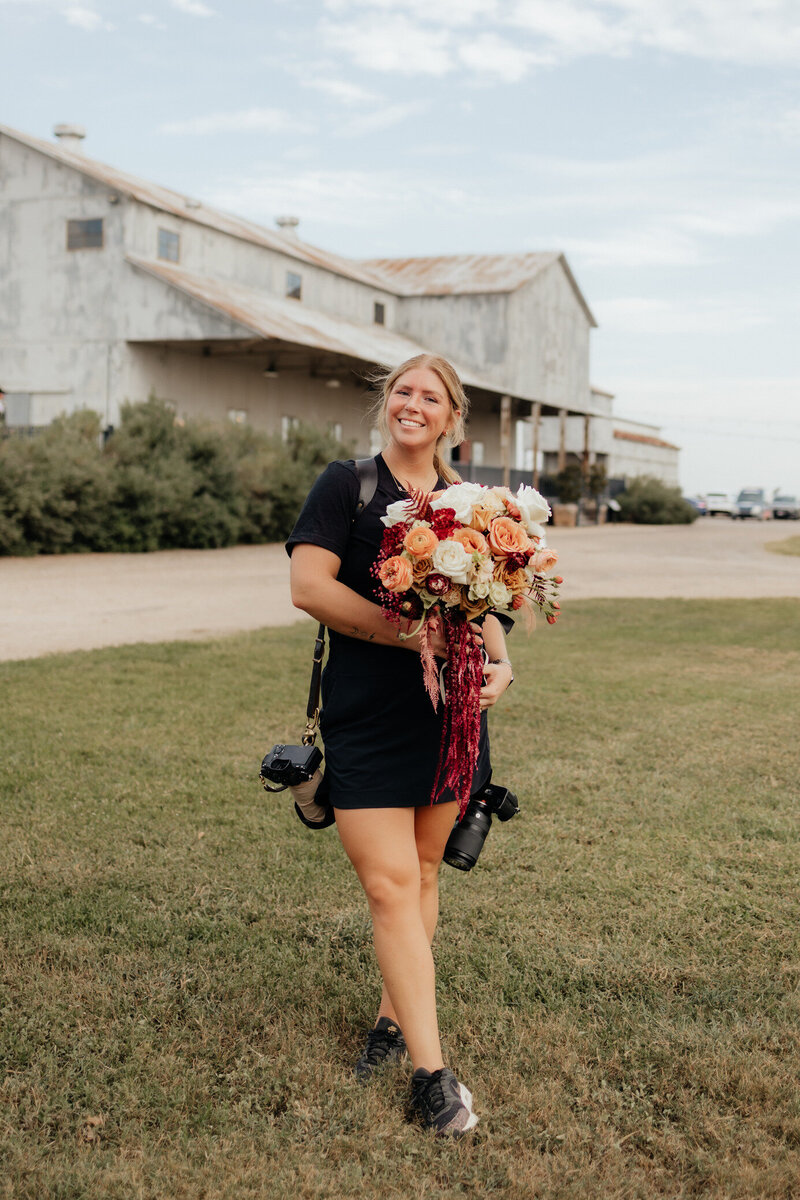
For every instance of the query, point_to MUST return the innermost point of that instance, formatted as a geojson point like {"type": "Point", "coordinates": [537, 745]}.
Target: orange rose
{"type": "Point", "coordinates": [421, 568]}
{"type": "Point", "coordinates": [473, 608]}
{"type": "Point", "coordinates": [471, 540]}
{"type": "Point", "coordinates": [507, 537]}
{"type": "Point", "coordinates": [544, 560]}
{"type": "Point", "coordinates": [516, 581]}
{"type": "Point", "coordinates": [395, 574]}
{"type": "Point", "coordinates": [421, 542]}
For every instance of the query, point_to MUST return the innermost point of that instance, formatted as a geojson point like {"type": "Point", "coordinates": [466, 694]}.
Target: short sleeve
{"type": "Point", "coordinates": [326, 518]}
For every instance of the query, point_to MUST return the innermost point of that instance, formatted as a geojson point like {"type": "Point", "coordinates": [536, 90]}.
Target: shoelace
{"type": "Point", "coordinates": [380, 1043]}
{"type": "Point", "coordinates": [434, 1093]}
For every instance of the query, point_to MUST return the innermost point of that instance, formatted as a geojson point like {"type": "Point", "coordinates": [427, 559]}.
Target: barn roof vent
{"type": "Point", "coordinates": [288, 225]}
{"type": "Point", "coordinates": [70, 136]}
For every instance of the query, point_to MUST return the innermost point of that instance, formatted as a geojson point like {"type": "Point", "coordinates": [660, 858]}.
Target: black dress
{"type": "Point", "coordinates": [379, 727]}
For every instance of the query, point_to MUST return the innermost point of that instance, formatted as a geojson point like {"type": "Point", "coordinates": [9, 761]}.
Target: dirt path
{"type": "Point", "coordinates": [81, 602]}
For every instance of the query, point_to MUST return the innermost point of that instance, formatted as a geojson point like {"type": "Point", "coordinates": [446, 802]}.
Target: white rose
{"type": "Point", "coordinates": [482, 569]}
{"type": "Point", "coordinates": [397, 512]}
{"type": "Point", "coordinates": [462, 498]}
{"type": "Point", "coordinates": [499, 595]}
{"type": "Point", "coordinates": [451, 559]}
{"type": "Point", "coordinates": [479, 590]}
{"type": "Point", "coordinates": [539, 532]}
{"type": "Point", "coordinates": [534, 508]}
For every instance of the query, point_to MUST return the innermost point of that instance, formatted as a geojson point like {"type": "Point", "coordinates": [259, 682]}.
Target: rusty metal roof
{"type": "Point", "coordinates": [190, 209]}
{"type": "Point", "coordinates": [273, 317]}
{"type": "Point", "coordinates": [470, 274]}
{"type": "Point", "coordinates": [457, 274]}
{"type": "Point", "coordinates": [644, 439]}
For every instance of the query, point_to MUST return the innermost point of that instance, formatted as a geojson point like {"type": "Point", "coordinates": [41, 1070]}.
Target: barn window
{"type": "Point", "coordinates": [294, 286]}
{"type": "Point", "coordinates": [379, 313]}
{"type": "Point", "coordinates": [169, 245]}
{"type": "Point", "coordinates": [85, 235]}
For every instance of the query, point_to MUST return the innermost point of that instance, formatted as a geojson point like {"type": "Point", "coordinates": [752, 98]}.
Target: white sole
{"type": "Point", "coordinates": [466, 1100]}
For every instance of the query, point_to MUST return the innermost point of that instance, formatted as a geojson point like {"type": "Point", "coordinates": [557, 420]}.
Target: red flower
{"type": "Point", "coordinates": [438, 585]}
{"type": "Point", "coordinates": [444, 523]}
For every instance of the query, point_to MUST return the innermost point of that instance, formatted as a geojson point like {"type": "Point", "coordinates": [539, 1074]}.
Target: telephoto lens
{"type": "Point", "coordinates": [468, 835]}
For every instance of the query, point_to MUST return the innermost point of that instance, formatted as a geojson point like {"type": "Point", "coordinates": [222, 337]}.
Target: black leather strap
{"type": "Point", "coordinates": [367, 472]}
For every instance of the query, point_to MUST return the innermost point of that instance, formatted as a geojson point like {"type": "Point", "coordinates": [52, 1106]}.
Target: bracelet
{"type": "Point", "coordinates": [495, 661]}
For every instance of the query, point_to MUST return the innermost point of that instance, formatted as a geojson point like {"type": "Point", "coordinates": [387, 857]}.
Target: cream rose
{"type": "Point", "coordinates": [397, 512]}
{"type": "Point", "coordinates": [533, 507]}
{"type": "Point", "coordinates": [452, 560]}
{"type": "Point", "coordinates": [499, 595]}
{"type": "Point", "coordinates": [479, 590]}
{"type": "Point", "coordinates": [462, 498]}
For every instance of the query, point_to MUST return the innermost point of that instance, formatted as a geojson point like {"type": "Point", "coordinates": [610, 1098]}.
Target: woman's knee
{"type": "Point", "coordinates": [392, 891]}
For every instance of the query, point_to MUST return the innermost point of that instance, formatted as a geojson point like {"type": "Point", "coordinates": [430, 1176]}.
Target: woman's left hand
{"type": "Point", "coordinates": [497, 677]}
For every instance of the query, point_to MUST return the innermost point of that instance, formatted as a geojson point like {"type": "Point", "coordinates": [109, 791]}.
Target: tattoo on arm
{"type": "Point", "coordinates": [362, 633]}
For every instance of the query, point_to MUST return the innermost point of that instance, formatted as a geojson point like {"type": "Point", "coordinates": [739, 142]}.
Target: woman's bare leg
{"type": "Point", "coordinates": [432, 826]}
{"type": "Point", "coordinates": [392, 857]}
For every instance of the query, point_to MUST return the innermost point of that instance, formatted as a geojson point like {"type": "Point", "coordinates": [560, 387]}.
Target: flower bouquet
{"type": "Point", "coordinates": [455, 555]}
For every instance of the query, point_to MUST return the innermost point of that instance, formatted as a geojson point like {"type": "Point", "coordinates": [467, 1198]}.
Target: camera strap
{"type": "Point", "coordinates": [367, 472]}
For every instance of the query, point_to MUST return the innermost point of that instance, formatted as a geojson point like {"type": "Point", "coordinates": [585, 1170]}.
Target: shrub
{"type": "Point", "coordinates": [569, 484]}
{"type": "Point", "coordinates": [157, 483]}
{"type": "Point", "coordinates": [648, 501]}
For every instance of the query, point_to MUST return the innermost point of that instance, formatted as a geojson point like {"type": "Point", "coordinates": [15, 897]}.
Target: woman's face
{"type": "Point", "coordinates": [418, 410]}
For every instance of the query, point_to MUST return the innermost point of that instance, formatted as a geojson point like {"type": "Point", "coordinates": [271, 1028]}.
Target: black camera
{"type": "Point", "coordinates": [468, 835]}
{"type": "Point", "coordinates": [289, 766]}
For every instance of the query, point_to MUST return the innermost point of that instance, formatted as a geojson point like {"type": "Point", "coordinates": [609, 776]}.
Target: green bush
{"type": "Point", "coordinates": [648, 501]}
{"type": "Point", "coordinates": [157, 483]}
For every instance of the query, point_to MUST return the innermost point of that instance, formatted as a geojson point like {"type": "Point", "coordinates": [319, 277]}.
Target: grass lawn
{"type": "Point", "coordinates": [187, 972]}
{"type": "Point", "coordinates": [790, 545]}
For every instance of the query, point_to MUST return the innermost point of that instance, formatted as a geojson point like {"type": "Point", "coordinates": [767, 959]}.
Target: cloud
{"type": "Point", "coordinates": [391, 44]}
{"type": "Point", "coordinates": [650, 246]}
{"type": "Point", "coordinates": [340, 89]}
{"type": "Point", "coordinates": [270, 120]}
{"type": "Point", "coordinates": [380, 118]}
{"type": "Point", "coordinates": [490, 54]}
{"type": "Point", "coordinates": [85, 18]}
{"type": "Point", "coordinates": [193, 8]}
{"type": "Point", "coordinates": [688, 315]}
{"type": "Point", "coordinates": [149, 19]}
{"type": "Point", "coordinates": [430, 37]}
{"type": "Point", "coordinates": [452, 13]}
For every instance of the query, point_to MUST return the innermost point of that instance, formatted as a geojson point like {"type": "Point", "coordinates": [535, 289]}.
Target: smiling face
{"type": "Point", "coordinates": [418, 410]}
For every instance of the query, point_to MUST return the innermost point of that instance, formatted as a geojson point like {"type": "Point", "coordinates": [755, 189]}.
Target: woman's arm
{"type": "Point", "coordinates": [498, 676]}
{"type": "Point", "coordinates": [317, 591]}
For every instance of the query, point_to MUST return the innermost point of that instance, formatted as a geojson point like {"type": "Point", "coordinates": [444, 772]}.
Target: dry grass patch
{"type": "Point", "coordinates": [187, 971]}
{"type": "Point", "coordinates": [790, 545]}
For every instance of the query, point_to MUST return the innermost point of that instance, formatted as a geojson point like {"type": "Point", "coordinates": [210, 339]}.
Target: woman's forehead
{"type": "Point", "coordinates": [425, 379]}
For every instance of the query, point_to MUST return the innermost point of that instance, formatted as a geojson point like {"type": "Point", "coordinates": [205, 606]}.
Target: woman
{"type": "Point", "coordinates": [380, 730]}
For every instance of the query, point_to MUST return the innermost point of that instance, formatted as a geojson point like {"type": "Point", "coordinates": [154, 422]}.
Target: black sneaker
{"type": "Point", "coordinates": [442, 1103]}
{"type": "Point", "coordinates": [385, 1044]}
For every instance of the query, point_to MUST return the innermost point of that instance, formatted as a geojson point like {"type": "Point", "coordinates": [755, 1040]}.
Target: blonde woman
{"type": "Point", "coordinates": [380, 731]}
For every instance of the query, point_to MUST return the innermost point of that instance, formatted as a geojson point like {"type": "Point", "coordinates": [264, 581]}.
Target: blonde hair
{"type": "Point", "coordinates": [459, 404]}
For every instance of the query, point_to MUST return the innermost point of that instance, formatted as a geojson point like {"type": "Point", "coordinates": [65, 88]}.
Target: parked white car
{"type": "Point", "coordinates": [786, 508]}
{"type": "Point", "coordinates": [720, 502]}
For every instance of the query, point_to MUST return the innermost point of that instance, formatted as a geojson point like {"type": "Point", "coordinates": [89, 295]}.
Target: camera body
{"type": "Point", "coordinates": [298, 768]}
{"type": "Point", "coordinates": [468, 835]}
{"type": "Point", "coordinates": [289, 766]}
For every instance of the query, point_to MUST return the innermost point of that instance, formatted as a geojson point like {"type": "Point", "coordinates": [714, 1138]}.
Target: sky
{"type": "Point", "coordinates": [655, 142]}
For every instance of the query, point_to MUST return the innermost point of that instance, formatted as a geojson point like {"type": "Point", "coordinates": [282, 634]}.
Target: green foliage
{"type": "Point", "coordinates": [157, 483]}
{"type": "Point", "coordinates": [596, 480]}
{"type": "Point", "coordinates": [188, 973]}
{"type": "Point", "coordinates": [569, 484]}
{"type": "Point", "coordinates": [648, 501]}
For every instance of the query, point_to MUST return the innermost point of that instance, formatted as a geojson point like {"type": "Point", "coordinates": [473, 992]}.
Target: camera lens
{"type": "Point", "coordinates": [466, 840]}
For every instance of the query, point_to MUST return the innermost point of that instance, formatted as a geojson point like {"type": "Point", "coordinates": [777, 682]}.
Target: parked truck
{"type": "Point", "coordinates": [753, 502]}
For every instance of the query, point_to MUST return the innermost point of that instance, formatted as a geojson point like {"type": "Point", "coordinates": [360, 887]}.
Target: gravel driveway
{"type": "Point", "coordinates": [81, 602]}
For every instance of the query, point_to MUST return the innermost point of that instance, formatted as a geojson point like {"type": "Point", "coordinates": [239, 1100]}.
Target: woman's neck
{"type": "Point", "coordinates": [411, 471]}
